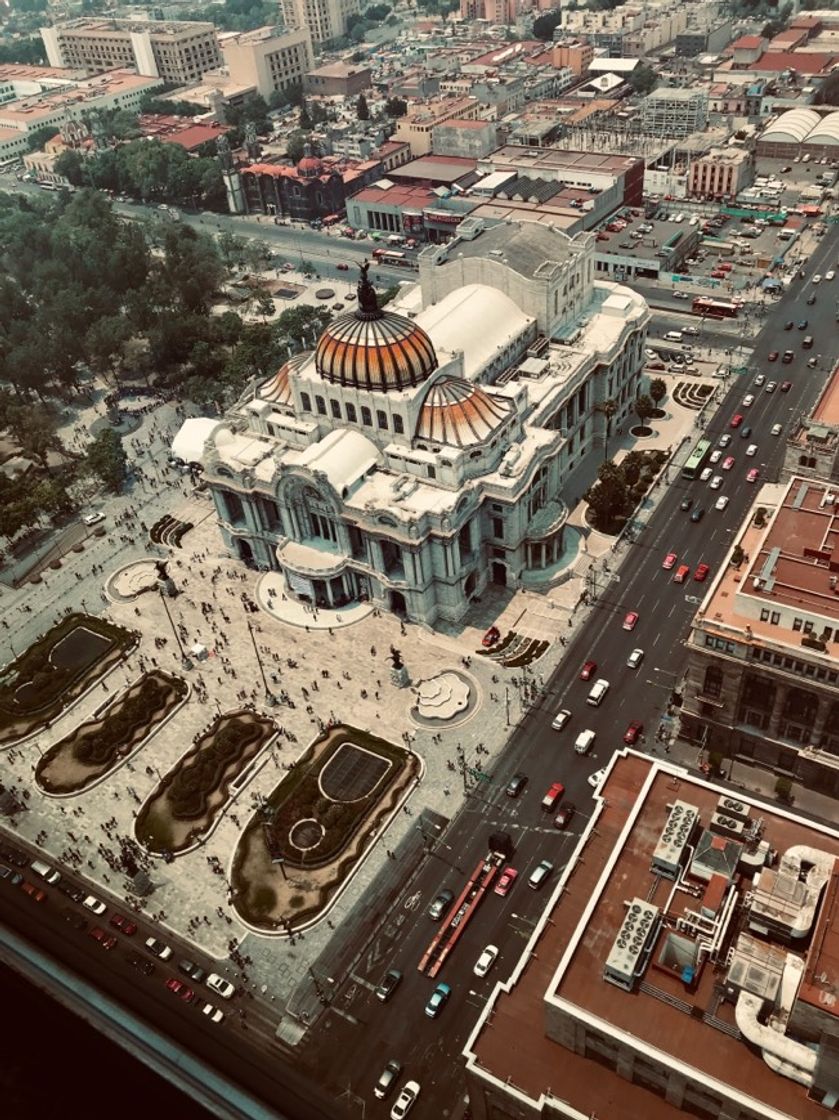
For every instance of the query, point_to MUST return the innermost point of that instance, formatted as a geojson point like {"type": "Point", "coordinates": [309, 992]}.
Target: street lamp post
{"type": "Point", "coordinates": [186, 663]}
{"type": "Point", "coordinates": [270, 698]}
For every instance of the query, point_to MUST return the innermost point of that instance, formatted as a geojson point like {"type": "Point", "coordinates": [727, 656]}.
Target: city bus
{"type": "Point", "coordinates": [696, 458]}
{"type": "Point", "coordinates": [393, 257]}
{"type": "Point", "coordinates": [716, 308]}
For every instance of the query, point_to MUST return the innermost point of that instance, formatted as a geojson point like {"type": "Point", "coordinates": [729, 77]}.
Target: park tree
{"type": "Point", "coordinates": [106, 459]}
{"type": "Point", "coordinates": [609, 498]}
{"type": "Point", "coordinates": [643, 79]}
{"type": "Point", "coordinates": [36, 139]}
{"type": "Point", "coordinates": [607, 409]}
{"type": "Point", "coordinates": [545, 25]}
{"type": "Point", "coordinates": [396, 107]}
{"type": "Point", "coordinates": [362, 109]}
{"type": "Point", "coordinates": [658, 390]}
{"type": "Point", "coordinates": [644, 408]}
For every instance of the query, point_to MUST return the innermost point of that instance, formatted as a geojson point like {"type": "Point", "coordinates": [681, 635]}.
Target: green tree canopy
{"type": "Point", "coordinates": [106, 458]}
{"type": "Point", "coordinates": [545, 25]}
{"type": "Point", "coordinates": [643, 79]}
{"type": "Point", "coordinates": [396, 107]}
{"type": "Point", "coordinates": [362, 109]}
{"type": "Point", "coordinates": [658, 390]}
{"type": "Point", "coordinates": [36, 139]}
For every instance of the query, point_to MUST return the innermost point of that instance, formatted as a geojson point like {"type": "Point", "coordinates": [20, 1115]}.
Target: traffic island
{"type": "Point", "coordinates": [56, 670]}
{"type": "Point", "coordinates": [185, 807]}
{"type": "Point", "coordinates": [316, 827]}
{"type": "Point", "coordinates": [118, 728]}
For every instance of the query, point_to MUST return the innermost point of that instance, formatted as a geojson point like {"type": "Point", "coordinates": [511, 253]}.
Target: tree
{"type": "Point", "coordinates": [644, 408]}
{"type": "Point", "coordinates": [396, 107]}
{"type": "Point", "coordinates": [106, 458]}
{"type": "Point", "coordinates": [305, 121]}
{"type": "Point", "coordinates": [545, 25]}
{"type": "Point", "coordinates": [643, 79]}
{"type": "Point", "coordinates": [362, 110]}
{"type": "Point", "coordinates": [36, 139]}
{"type": "Point", "coordinates": [658, 390]}
{"type": "Point", "coordinates": [29, 52]}
{"type": "Point", "coordinates": [376, 13]}
{"type": "Point", "coordinates": [609, 498]}
{"type": "Point", "coordinates": [607, 409]}
{"type": "Point", "coordinates": [34, 431]}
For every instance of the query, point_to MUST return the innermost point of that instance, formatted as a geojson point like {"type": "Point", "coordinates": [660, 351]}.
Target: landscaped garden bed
{"type": "Point", "coordinates": [56, 670]}
{"type": "Point", "coordinates": [184, 807]}
{"type": "Point", "coordinates": [100, 744]}
{"type": "Point", "coordinates": [620, 488]}
{"type": "Point", "coordinates": [317, 825]}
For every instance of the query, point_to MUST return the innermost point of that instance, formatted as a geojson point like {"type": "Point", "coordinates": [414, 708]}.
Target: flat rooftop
{"type": "Point", "coordinates": [681, 1025]}
{"type": "Point", "coordinates": [555, 159]}
{"type": "Point", "coordinates": [827, 406]}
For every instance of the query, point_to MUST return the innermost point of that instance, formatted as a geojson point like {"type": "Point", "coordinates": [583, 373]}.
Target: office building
{"type": "Point", "coordinates": [173, 51]}
{"type": "Point", "coordinates": [268, 60]}
{"type": "Point", "coordinates": [325, 20]}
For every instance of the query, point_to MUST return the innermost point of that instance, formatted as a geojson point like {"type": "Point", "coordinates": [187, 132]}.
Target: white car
{"type": "Point", "coordinates": [752, 448]}
{"type": "Point", "coordinates": [759, 380]}
{"type": "Point", "coordinates": [748, 400]}
{"type": "Point", "coordinates": [596, 779]}
{"type": "Point", "coordinates": [214, 1014]}
{"type": "Point", "coordinates": [680, 295]}
{"type": "Point", "coordinates": [220, 986]}
{"type": "Point", "coordinates": [635, 658]}
{"type": "Point", "coordinates": [94, 904]}
{"type": "Point", "coordinates": [158, 949]}
{"type": "Point", "coordinates": [715, 456]}
{"type": "Point", "coordinates": [486, 960]}
{"type": "Point", "coordinates": [405, 1101]}
{"type": "Point", "coordinates": [716, 482]}
{"type": "Point", "coordinates": [829, 274]}
{"type": "Point", "coordinates": [93, 518]}
{"type": "Point", "coordinates": [724, 440]}
{"type": "Point", "coordinates": [771, 387]}
{"type": "Point", "coordinates": [560, 719]}
{"type": "Point", "coordinates": [651, 354]}
{"type": "Point", "coordinates": [689, 329]}
{"type": "Point", "coordinates": [721, 503]}
{"type": "Point", "coordinates": [777, 429]}
{"type": "Point", "coordinates": [705, 474]}
{"type": "Point", "coordinates": [816, 279]}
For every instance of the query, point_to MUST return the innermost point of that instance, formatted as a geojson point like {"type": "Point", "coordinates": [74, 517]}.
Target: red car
{"type": "Point", "coordinates": [736, 420]}
{"type": "Point", "coordinates": [773, 355]}
{"type": "Point", "coordinates": [753, 475]}
{"type": "Point", "coordinates": [701, 573]}
{"type": "Point", "coordinates": [631, 620]}
{"type": "Point", "coordinates": [35, 893]}
{"type": "Point", "coordinates": [563, 817]}
{"type": "Point", "coordinates": [106, 940]}
{"type": "Point", "coordinates": [786, 386]}
{"type": "Point", "coordinates": [343, 267]}
{"type": "Point", "coordinates": [553, 796]}
{"type": "Point", "coordinates": [123, 924]}
{"type": "Point", "coordinates": [633, 732]}
{"type": "Point", "coordinates": [508, 877]}
{"type": "Point", "coordinates": [669, 561]}
{"type": "Point", "coordinates": [589, 669]}
{"type": "Point", "coordinates": [491, 637]}
{"type": "Point", "coordinates": [179, 988]}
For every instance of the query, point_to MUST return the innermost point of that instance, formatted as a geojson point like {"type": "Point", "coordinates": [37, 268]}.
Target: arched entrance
{"type": "Point", "coordinates": [397, 603]}
{"type": "Point", "coordinates": [245, 552]}
{"type": "Point", "coordinates": [499, 573]}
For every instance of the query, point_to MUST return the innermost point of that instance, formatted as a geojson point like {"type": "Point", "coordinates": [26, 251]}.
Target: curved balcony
{"type": "Point", "coordinates": [308, 560]}
{"type": "Point", "coordinates": [547, 520]}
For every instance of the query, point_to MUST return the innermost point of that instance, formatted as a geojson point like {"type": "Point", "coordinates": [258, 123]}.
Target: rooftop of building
{"type": "Point", "coordinates": [804, 62]}
{"type": "Point", "coordinates": [101, 25]}
{"type": "Point", "coordinates": [187, 135]}
{"type": "Point", "coordinates": [676, 93]}
{"type": "Point", "coordinates": [788, 572]}
{"type": "Point", "coordinates": [826, 410]}
{"type": "Point", "coordinates": [18, 71]}
{"type": "Point", "coordinates": [440, 108]}
{"type": "Point", "coordinates": [440, 169]}
{"type": "Point", "coordinates": [747, 43]}
{"type": "Point", "coordinates": [256, 35]}
{"type": "Point", "coordinates": [29, 109]}
{"type": "Point", "coordinates": [339, 70]}
{"type": "Point", "coordinates": [676, 1013]}
{"type": "Point", "coordinates": [555, 159]}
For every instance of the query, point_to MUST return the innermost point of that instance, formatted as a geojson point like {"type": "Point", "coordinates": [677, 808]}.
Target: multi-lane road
{"type": "Point", "coordinates": [355, 1052]}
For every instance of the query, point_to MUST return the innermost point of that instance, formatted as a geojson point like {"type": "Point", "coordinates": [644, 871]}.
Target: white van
{"type": "Point", "coordinates": [598, 691]}
{"type": "Point", "coordinates": [584, 741]}
{"type": "Point", "coordinates": [46, 872]}
{"type": "Point", "coordinates": [673, 336]}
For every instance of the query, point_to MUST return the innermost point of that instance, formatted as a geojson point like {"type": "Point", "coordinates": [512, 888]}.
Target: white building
{"type": "Point", "coordinates": [325, 20]}
{"type": "Point", "coordinates": [422, 452]}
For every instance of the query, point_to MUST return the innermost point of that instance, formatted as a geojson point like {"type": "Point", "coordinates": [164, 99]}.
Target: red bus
{"type": "Point", "coordinates": [715, 308]}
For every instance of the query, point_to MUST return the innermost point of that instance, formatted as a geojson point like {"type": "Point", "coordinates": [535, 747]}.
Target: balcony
{"type": "Point", "coordinates": [547, 520]}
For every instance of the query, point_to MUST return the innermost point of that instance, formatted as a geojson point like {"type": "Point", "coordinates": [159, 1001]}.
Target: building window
{"type": "Point", "coordinates": [398, 426]}
{"type": "Point", "coordinates": [796, 624]}
{"type": "Point", "coordinates": [336, 409]}
{"type": "Point", "coordinates": [775, 618]}
{"type": "Point", "coordinates": [321, 403]}
{"type": "Point", "coordinates": [381, 418]}
{"type": "Point", "coordinates": [764, 614]}
{"type": "Point", "coordinates": [498, 528]}
{"type": "Point", "coordinates": [712, 685]}
{"type": "Point", "coordinates": [306, 402]}
{"type": "Point", "coordinates": [366, 416]}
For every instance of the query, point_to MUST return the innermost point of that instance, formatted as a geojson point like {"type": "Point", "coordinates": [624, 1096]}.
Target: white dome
{"type": "Point", "coordinates": [791, 127]}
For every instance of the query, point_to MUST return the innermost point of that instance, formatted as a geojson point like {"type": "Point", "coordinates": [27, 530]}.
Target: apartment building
{"type": "Point", "coordinates": [720, 174]}
{"type": "Point", "coordinates": [268, 60]}
{"type": "Point", "coordinates": [174, 51]}
{"type": "Point", "coordinates": [575, 54]}
{"type": "Point", "coordinates": [762, 682]}
{"type": "Point", "coordinates": [672, 111]}
{"type": "Point", "coordinates": [325, 20]}
{"type": "Point", "coordinates": [339, 79]}
{"type": "Point", "coordinates": [416, 126]}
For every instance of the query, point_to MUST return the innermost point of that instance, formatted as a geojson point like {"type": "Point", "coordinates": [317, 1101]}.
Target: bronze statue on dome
{"type": "Point", "coordinates": [368, 301]}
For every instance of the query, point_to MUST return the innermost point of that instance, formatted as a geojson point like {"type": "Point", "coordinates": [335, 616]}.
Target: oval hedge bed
{"type": "Point", "coordinates": [35, 689]}
{"type": "Point", "coordinates": [185, 805]}
{"type": "Point", "coordinates": [98, 745]}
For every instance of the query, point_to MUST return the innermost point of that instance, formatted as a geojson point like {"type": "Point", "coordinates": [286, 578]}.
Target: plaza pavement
{"type": "Point", "coordinates": [351, 645]}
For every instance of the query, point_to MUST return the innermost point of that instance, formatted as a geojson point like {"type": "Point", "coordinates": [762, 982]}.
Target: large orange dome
{"type": "Point", "coordinates": [374, 349]}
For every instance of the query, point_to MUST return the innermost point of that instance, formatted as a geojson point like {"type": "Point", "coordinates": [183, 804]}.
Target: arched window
{"type": "Point", "coordinates": [398, 426]}
{"type": "Point", "coordinates": [351, 413]}
{"type": "Point", "coordinates": [321, 403]}
{"type": "Point", "coordinates": [306, 402]}
{"type": "Point", "coordinates": [381, 418]}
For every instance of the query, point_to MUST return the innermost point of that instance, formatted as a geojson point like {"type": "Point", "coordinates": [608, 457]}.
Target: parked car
{"type": "Point", "coordinates": [178, 988]}
{"type": "Point", "coordinates": [123, 924]}
{"type": "Point", "coordinates": [753, 475]}
{"type": "Point", "coordinates": [192, 970]}
{"type": "Point", "coordinates": [588, 670]}
{"type": "Point", "coordinates": [37, 894]}
{"type": "Point", "coordinates": [93, 518]}
{"type": "Point", "coordinates": [438, 1000]}
{"type": "Point", "coordinates": [540, 874]}
{"type": "Point", "coordinates": [491, 637]}
{"type": "Point", "coordinates": [387, 1079]}
{"type": "Point", "coordinates": [633, 732]}
{"type": "Point", "coordinates": [486, 960]}
{"type": "Point", "coordinates": [158, 949]}
{"type": "Point", "coordinates": [701, 573]}
{"type": "Point", "coordinates": [516, 784]}
{"type": "Point", "coordinates": [214, 1014]}
{"type": "Point", "coordinates": [93, 904]}
{"type": "Point", "coordinates": [560, 719]}
{"type": "Point", "coordinates": [563, 817]}
{"type": "Point", "coordinates": [405, 1101]}
{"type": "Point", "coordinates": [106, 940]}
